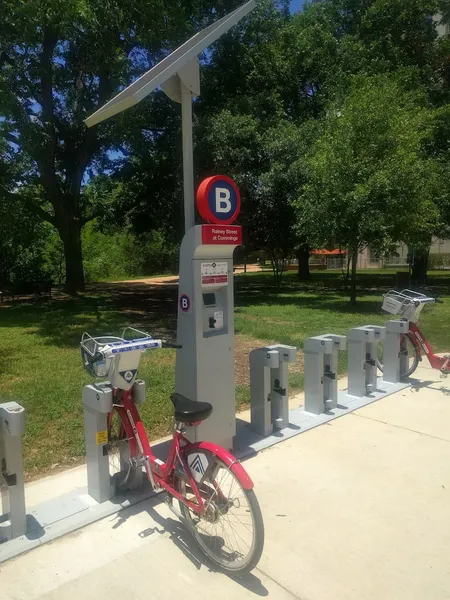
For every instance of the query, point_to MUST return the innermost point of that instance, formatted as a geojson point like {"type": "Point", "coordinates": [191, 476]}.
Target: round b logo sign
{"type": "Point", "coordinates": [218, 200]}
{"type": "Point", "coordinates": [185, 302]}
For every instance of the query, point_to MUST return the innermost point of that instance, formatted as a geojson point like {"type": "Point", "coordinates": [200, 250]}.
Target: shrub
{"type": "Point", "coordinates": [439, 261]}
{"type": "Point", "coordinates": [121, 254]}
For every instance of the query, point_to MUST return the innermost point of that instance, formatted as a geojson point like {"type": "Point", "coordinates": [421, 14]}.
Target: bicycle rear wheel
{"type": "Point", "coordinates": [407, 346]}
{"type": "Point", "coordinates": [231, 532]}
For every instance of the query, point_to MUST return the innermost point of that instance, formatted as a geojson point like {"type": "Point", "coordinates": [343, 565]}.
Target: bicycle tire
{"type": "Point", "coordinates": [119, 453]}
{"type": "Point", "coordinates": [236, 567]}
{"type": "Point", "coordinates": [412, 352]}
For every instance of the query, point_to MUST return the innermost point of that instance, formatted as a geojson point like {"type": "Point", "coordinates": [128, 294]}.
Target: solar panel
{"type": "Point", "coordinates": [156, 76]}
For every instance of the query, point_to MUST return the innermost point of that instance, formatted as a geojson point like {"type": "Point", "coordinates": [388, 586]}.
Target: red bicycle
{"type": "Point", "coordinates": [215, 493]}
{"type": "Point", "coordinates": [408, 305]}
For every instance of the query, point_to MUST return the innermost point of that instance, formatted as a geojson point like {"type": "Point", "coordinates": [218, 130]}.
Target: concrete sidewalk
{"type": "Point", "coordinates": [358, 509]}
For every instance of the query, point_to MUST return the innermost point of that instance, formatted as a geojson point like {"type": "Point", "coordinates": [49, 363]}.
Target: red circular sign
{"type": "Point", "coordinates": [218, 200]}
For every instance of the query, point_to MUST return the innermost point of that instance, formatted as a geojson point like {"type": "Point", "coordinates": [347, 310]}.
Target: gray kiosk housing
{"type": "Point", "coordinates": [205, 328]}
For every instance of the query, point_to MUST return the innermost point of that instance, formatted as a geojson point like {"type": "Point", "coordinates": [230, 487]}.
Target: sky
{"type": "Point", "coordinates": [295, 5]}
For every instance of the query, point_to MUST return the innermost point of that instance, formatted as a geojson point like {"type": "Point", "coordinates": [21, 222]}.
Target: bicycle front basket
{"type": "Point", "coordinates": [89, 347]}
{"type": "Point", "coordinates": [393, 303]}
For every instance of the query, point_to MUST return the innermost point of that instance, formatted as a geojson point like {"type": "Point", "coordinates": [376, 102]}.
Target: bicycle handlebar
{"type": "Point", "coordinates": [126, 346]}
{"type": "Point", "coordinates": [170, 345]}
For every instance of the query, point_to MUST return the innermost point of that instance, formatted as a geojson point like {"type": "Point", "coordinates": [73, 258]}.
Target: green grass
{"type": "Point", "coordinates": [41, 368]}
{"type": "Point", "coordinates": [40, 364]}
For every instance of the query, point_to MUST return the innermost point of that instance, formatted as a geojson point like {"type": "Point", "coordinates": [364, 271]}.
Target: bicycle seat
{"type": "Point", "coordinates": [188, 411]}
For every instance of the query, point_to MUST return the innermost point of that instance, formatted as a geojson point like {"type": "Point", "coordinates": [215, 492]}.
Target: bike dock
{"type": "Point", "coordinates": [352, 520]}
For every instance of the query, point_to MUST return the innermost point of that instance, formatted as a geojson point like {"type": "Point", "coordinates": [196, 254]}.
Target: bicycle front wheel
{"type": "Point", "coordinates": [121, 469]}
{"type": "Point", "coordinates": [407, 347]}
{"type": "Point", "coordinates": [231, 531]}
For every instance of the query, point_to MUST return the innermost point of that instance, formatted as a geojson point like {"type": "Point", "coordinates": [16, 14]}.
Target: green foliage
{"type": "Point", "coordinates": [307, 69]}
{"type": "Point", "coordinates": [22, 245]}
{"type": "Point", "coordinates": [266, 164]}
{"type": "Point", "coordinates": [60, 61]}
{"type": "Point", "coordinates": [270, 88]}
{"type": "Point", "coordinates": [151, 253]}
{"type": "Point", "coordinates": [121, 254]}
{"type": "Point", "coordinates": [439, 261]}
{"type": "Point", "coordinates": [437, 149]}
{"type": "Point", "coordinates": [368, 182]}
{"type": "Point", "coordinates": [246, 71]}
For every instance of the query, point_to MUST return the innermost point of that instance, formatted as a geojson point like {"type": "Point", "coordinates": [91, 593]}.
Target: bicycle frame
{"type": "Point", "coordinates": [161, 472]}
{"type": "Point", "coordinates": [419, 341]}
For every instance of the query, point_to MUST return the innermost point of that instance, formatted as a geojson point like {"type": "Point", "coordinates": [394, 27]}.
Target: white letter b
{"type": "Point", "coordinates": [223, 204]}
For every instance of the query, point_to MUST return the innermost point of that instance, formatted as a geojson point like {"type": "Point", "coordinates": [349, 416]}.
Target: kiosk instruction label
{"type": "Point", "coordinates": [214, 273]}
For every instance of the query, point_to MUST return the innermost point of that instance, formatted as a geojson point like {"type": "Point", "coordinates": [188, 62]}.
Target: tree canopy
{"type": "Point", "coordinates": [62, 60]}
{"type": "Point", "coordinates": [334, 121]}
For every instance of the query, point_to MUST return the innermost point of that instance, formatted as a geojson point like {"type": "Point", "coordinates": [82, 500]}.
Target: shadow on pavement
{"type": "Point", "coordinates": [184, 541]}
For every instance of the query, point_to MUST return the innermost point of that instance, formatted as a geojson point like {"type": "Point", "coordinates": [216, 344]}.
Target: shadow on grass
{"type": "Point", "coordinates": [107, 307]}
{"type": "Point", "coordinates": [366, 282]}
{"type": "Point", "coordinates": [103, 309]}
{"type": "Point", "coordinates": [321, 301]}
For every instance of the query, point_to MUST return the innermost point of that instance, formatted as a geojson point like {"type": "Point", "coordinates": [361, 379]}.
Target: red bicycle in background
{"type": "Point", "coordinates": [408, 305]}
{"type": "Point", "coordinates": [215, 494]}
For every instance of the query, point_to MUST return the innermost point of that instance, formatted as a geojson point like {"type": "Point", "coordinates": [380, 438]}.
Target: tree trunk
{"type": "Point", "coordinates": [303, 263]}
{"type": "Point", "coordinates": [353, 277]}
{"type": "Point", "coordinates": [419, 268]}
{"type": "Point", "coordinates": [71, 238]}
{"type": "Point", "coordinates": [277, 268]}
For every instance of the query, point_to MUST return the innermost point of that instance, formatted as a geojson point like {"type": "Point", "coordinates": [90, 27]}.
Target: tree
{"type": "Point", "coordinates": [367, 178]}
{"type": "Point", "coordinates": [436, 149]}
{"type": "Point", "coordinates": [265, 165]}
{"type": "Point", "coordinates": [255, 137]}
{"type": "Point", "coordinates": [61, 60]}
{"type": "Point", "coordinates": [23, 239]}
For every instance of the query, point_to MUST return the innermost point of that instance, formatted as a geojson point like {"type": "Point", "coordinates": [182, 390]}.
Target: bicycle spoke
{"type": "Point", "coordinates": [226, 529]}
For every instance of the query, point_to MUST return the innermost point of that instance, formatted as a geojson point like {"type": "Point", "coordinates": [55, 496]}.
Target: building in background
{"type": "Point", "coordinates": [369, 259]}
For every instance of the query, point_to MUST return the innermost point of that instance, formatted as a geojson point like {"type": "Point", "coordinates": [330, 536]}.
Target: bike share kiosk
{"type": "Point", "coordinates": [12, 489]}
{"type": "Point", "coordinates": [362, 359]}
{"type": "Point", "coordinates": [205, 328]}
{"type": "Point", "coordinates": [269, 396]}
{"type": "Point", "coordinates": [205, 365]}
{"type": "Point", "coordinates": [321, 361]}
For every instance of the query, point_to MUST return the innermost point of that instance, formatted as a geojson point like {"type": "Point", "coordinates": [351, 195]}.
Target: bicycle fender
{"type": "Point", "coordinates": [227, 458]}
{"type": "Point", "coordinates": [415, 343]}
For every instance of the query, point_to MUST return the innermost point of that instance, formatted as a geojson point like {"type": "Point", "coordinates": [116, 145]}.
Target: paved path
{"type": "Point", "coordinates": [354, 510]}
{"type": "Point", "coordinates": [174, 278]}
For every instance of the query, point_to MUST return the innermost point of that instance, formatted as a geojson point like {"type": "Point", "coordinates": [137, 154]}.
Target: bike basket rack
{"type": "Point", "coordinates": [90, 347]}
{"type": "Point", "coordinates": [407, 304]}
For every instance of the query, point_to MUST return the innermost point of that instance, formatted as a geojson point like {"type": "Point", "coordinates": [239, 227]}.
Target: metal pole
{"type": "Point", "coordinates": [188, 157]}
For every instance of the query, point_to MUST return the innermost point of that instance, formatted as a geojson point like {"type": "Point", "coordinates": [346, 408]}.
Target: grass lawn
{"type": "Point", "coordinates": [41, 368]}
{"type": "Point", "coordinates": [40, 365]}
